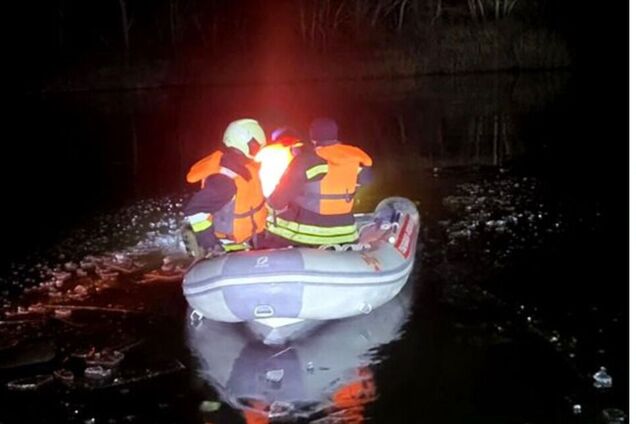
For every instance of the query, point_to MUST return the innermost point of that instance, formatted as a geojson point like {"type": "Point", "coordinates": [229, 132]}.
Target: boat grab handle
{"type": "Point", "coordinates": [263, 311]}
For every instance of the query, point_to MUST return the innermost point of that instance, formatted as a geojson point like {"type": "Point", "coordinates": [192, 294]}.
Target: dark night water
{"type": "Point", "coordinates": [518, 298]}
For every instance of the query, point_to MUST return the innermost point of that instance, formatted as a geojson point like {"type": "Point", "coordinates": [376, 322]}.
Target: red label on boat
{"type": "Point", "coordinates": [404, 240]}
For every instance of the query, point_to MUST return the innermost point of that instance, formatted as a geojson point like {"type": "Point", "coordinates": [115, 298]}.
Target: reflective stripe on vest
{"type": "Point", "coordinates": [227, 172]}
{"type": "Point", "coordinates": [316, 170]}
{"type": "Point", "coordinates": [312, 234]}
{"type": "Point", "coordinates": [235, 247]}
{"type": "Point", "coordinates": [230, 246]}
{"type": "Point", "coordinates": [200, 221]}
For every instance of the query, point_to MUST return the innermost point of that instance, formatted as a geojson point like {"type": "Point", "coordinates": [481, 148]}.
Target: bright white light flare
{"type": "Point", "coordinates": [274, 160]}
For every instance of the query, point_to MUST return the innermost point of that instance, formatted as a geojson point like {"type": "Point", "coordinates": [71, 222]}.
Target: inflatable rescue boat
{"type": "Point", "coordinates": [274, 291]}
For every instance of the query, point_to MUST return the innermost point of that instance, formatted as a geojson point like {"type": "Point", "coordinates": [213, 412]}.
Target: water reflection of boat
{"type": "Point", "coordinates": [326, 372]}
{"type": "Point", "coordinates": [276, 290]}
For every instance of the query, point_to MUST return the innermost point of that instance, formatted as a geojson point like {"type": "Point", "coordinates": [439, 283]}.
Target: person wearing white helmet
{"type": "Point", "coordinates": [229, 211]}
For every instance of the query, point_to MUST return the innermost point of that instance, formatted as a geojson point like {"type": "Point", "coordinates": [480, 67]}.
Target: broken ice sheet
{"type": "Point", "coordinates": [105, 358]}
{"type": "Point", "coordinates": [62, 313]}
{"type": "Point", "coordinates": [275, 376]}
{"type": "Point", "coordinates": [64, 375]}
{"type": "Point", "coordinates": [30, 383]}
{"type": "Point", "coordinates": [614, 416]}
{"type": "Point", "coordinates": [127, 377]}
{"type": "Point", "coordinates": [83, 353]}
{"type": "Point", "coordinates": [98, 373]}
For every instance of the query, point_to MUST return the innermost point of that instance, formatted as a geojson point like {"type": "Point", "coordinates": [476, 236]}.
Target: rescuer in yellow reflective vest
{"type": "Point", "coordinates": [314, 199]}
{"type": "Point", "coordinates": [229, 211]}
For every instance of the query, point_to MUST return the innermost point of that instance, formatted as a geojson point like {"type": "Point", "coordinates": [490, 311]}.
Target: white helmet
{"type": "Point", "coordinates": [245, 135]}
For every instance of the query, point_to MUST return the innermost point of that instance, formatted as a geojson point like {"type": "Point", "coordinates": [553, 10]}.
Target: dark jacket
{"type": "Point", "coordinates": [291, 187]}
{"type": "Point", "coordinates": [218, 189]}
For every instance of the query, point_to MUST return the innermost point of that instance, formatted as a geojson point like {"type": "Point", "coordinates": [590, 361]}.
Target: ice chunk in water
{"type": "Point", "coordinates": [83, 353]}
{"type": "Point", "coordinates": [80, 290]}
{"type": "Point", "coordinates": [61, 276]}
{"type": "Point", "coordinates": [602, 380]}
{"type": "Point", "coordinates": [614, 416]}
{"type": "Point", "coordinates": [70, 266]}
{"type": "Point", "coordinates": [30, 383]}
{"type": "Point", "coordinates": [209, 406]}
{"type": "Point", "coordinates": [122, 259]}
{"type": "Point", "coordinates": [106, 359]}
{"type": "Point", "coordinates": [62, 313]}
{"type": "Point", "coordinates": [275, 376]}
{"type": "Point", "coordinates": [64, 375]}
{"type": "Point", "coordinates": [98, 372]}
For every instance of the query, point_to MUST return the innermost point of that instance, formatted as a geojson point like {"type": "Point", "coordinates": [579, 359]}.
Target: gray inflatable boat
{"type": "Point", "coordinates": [274, 290]}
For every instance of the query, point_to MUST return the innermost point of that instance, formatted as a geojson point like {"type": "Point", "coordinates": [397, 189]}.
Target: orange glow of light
{"type": "Point", "coordinates": [274, 160]}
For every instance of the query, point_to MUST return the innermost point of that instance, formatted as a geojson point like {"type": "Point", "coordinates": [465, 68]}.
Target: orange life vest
{"type": "Point", "coordinates": [245, 215]}
{"type": "Point", "coordinates": [333, 194]}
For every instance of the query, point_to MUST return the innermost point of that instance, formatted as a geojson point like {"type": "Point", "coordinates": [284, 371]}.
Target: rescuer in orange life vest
{"type": "Point", "coordinates": [314, 199]}
{"type": "Point", "coordinates": [229, 211]}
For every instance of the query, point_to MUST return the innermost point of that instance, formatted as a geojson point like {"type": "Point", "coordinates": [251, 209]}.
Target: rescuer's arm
{"type": "Point", "coordinates": [290, 185]}
{"type": "Point", "coordinates": [218, 190]}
